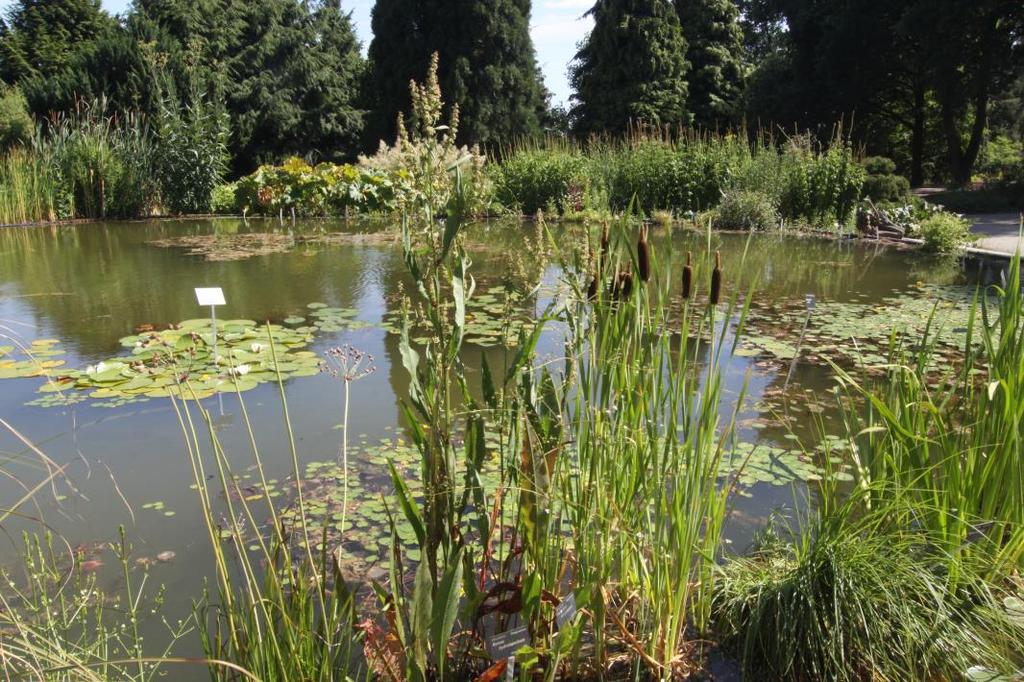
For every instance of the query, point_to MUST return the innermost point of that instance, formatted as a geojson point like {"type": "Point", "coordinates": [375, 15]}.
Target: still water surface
{"type": "Point", "coordinates": [90, 285]}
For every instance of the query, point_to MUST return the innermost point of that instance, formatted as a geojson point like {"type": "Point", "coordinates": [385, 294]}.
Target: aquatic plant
{"type": "Point", "coordinates": [849, 595]}
{"type": "Point", "coordinates": [281, 609]}
{"type": "Point", "coordinates": [28, 190]}
{"type": "Point", "coordinates": [952, 445]}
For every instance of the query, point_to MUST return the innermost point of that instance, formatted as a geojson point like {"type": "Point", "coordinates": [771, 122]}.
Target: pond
{"type": "Point", "coordinates": [90, 294]}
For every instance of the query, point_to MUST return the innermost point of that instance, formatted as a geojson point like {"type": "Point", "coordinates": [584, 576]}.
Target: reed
{"type": "Point", "coordinates": [28, 192]}
{"type": "Point", "coordinates": [951, 440]}
{"type": "Point", "coordinates": [283, 611]}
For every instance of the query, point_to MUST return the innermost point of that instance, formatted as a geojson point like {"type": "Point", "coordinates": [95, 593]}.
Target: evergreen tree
{"type": "Point", "coordinates": [398, 54]}
{"type": "Point", "coordinates": [41, 37]}
{"type": "Point", "coordinates": [715, 52]}
{"type": "Point", "coordinates": [632, 67]}
{"type": "Point", "coordinates": [488, 66]}
{"type": "Point", "coordinates": [288, 71]}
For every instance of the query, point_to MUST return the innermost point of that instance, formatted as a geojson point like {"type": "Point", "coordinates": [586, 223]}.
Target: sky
{"type": "Point", "coordinates": [556, 26]}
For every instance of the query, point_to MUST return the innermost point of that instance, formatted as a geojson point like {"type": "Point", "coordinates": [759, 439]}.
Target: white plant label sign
{"type": "Point", "coordinates": [210, 296]}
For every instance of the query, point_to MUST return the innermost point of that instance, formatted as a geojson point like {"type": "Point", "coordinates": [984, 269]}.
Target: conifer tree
{"type": "Point", "coordinates": [632, 67]}
{"type": "Point", "coordinates": [714, 38]}
{"type": "Point", "coordinates": [488, 66]}
{"type": "Point", "coordinates": [41, 37]}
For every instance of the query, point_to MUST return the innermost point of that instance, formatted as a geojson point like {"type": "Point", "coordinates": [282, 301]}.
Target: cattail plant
{"type": "Point", "coordinates": [716, 279]}
{"type": "Point", "coordinates": [688, 276]}
{"type": "Point", "coordinates": [622, 286]}
{"type": "Point", "coordinates": [643, 257]}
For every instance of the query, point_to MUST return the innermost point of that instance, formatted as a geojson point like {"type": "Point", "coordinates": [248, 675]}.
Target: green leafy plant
{"type": "Point", "coordinates": [322, 190]}
{"type": "Point", "coordinates": [945, 233]}
{"type": "Point", "coordinates": [191, 154]}
{"type": "Point", "coordinates": [529, 179]}
{"type": "Point", "coordinates": [16, 125]}
{"type": "Point", "coordinates": [746, 210]}
{"type": "Point", "coordinates": [882, 184]}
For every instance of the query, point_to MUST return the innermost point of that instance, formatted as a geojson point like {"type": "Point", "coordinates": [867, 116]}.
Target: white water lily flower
{"type": "Point", "coordinates": [256, 347]}
{"type": "Point", "coordinates": [242, 370]}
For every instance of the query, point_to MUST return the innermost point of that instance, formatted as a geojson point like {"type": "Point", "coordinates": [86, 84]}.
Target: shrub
{"type": "Point", "coordinates": [879, 165]}
{"type": "Point", "coordinates": [881, 183]}
{"type": "Point", "coordinates": [678, 177]}
{"type": "Point", "coordinates": [945, 233]}
{"type": "Point", "coordinates": [529, 180]}
{"type": "Point", "coordinates": [16, 125]}
{"type": "Point", "coordinates": [323, 190]}
{"type": "Point", "coordinates": [223, 201]}
{"type": "Point", "coordinates": [746, 210]}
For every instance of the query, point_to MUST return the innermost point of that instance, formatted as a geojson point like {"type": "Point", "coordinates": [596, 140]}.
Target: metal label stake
{"type": "Point", "coordinates": [213, 297]}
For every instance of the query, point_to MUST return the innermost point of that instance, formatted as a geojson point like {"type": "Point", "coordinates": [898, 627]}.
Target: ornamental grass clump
{"type": "Point", "coordinates": [854, 595]}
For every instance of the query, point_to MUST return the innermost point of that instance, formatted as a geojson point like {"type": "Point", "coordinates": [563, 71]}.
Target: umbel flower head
{"type": "Point", "coordinates": [347, 363]}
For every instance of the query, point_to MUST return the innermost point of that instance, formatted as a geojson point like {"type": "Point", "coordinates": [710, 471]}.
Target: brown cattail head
{"type": "Point", "coordinates": [688, 276]}
{"type": "Point", "coordinates": [643, 256]}
{"type": "Point", "coordinates": [627, 284]}
{"type": "Point", "coordinates": [716, 279]}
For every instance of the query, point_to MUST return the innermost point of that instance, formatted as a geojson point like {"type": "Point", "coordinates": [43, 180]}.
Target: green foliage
{"type": "Point", "coordinates": [631, 68]}
{"type": "Point", "coordinates": [104, 165]}
{"type": "Point", "coordinates": [746, 210]}
{"type": "Point", "coordinates": [856, 596]}
{"type": "Point", "coordinates": [28, 190]}
{"type": "Point", "coordinates": [322, 190]}
{"type": "Point", "coordinates": [686, 174]}
{"type": "Point", "coordinates": [820, 188]}
{"type": "Point", "coordinates": [223, 200]}
{"type": "Point", "coordinates": [715, 52]}
{"type": "Point", "coordinates": [683, 176]}
{"type": "Point", "coordinates": [945, 233]}
{"type": "Point", "coordinates": [912, 574]}
{"type": "Point", "coordinates": [952, 446]}
{"type": "Point", "coordinates": [1001, 158]}
{"type": "Point", "coordinates": [40, 37]}
{"type": "Point", "coordinates": [532, 179]}
{"type": "Point", "coordinates": [882, 184]}
{"type": "Point", "coordinates": [191, 154]}
{"type": "Point", "coordinates": [16, 126]}
{"type": "Point", "coordinates": [484, 47]}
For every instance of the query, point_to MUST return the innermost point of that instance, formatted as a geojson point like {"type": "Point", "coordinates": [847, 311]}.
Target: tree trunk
{"type": "Point", "coordinates": [917, 139]}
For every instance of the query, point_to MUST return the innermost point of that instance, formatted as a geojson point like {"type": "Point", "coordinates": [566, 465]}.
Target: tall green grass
{"type": "Point", "coordinates": [105, 163]}
{"type": "Point", "coordinates": [913, 573]}
{"type": "Point", "coordinates": [28, 192]}
{"type": "Point", "coordinates": [951, 441]}
{"type": "Point", "coordinates": [808, 184]}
